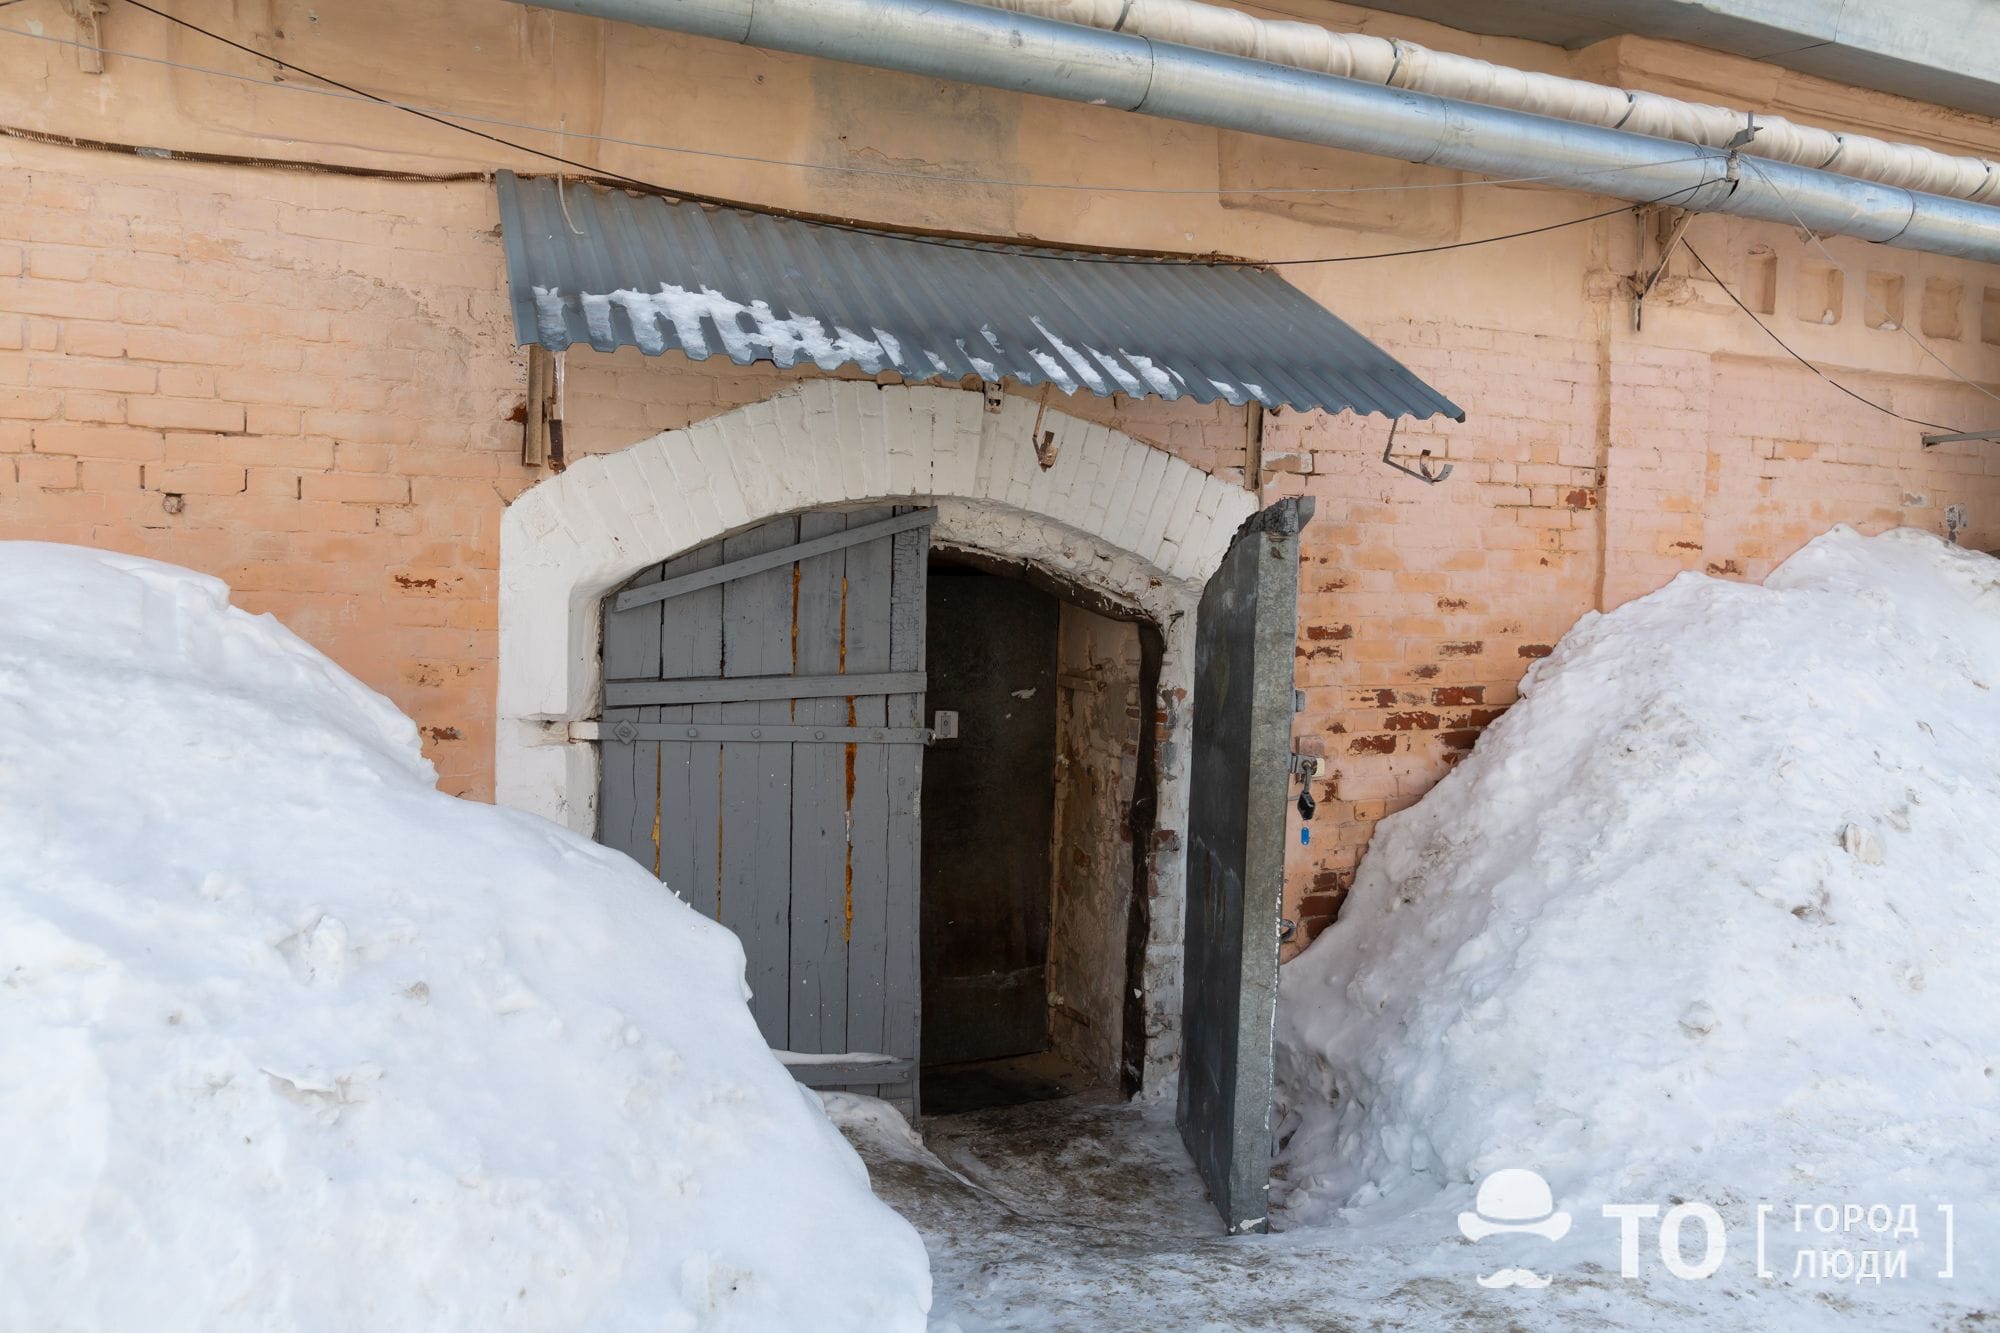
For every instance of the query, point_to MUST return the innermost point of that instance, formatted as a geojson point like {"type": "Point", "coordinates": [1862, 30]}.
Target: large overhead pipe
{"type": "Point", "coordinates": [1404, 64]}
{"type": "Point", "coordinates": [969, 43]}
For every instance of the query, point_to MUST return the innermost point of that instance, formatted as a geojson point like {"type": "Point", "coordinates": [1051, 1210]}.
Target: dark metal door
{"type": "Point", "coordinates": [989, 817]}
{"type": "Point", "coordinates": [1245, 633]}
{"type": "Point", "coordinates": [762, 750]}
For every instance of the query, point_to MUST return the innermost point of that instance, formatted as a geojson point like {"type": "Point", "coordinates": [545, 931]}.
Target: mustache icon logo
{"type": "Point", "coordinates": [1514, 1201]}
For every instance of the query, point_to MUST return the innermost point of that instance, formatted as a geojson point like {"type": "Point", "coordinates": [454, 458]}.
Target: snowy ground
{"type": "Point", "coordinates": [293, 1041]}
{"type": "Point", "coordinates": [1706, 925]}
{"type": "Point", "coordinates": [1710, 915]}
{"type": "Point", "coordinates": [1085, 1214]}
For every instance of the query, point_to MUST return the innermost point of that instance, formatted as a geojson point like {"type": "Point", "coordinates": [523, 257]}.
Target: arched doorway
{"type": "Point", "coordinates": [999, 477]}
{"type": "Point", "coordinates": [1112, 516]}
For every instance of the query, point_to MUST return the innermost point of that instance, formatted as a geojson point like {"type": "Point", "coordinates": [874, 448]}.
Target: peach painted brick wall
{"type": "Point", "coordinates": [300, 384]}
{"type": "Point", "coordinates": [306, 385]}
{"type": "Point", "coordinates": [1590, 472]}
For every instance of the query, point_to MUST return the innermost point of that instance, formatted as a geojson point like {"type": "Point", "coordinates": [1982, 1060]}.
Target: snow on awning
{"type": "Point", "coordinates": [616, 269]}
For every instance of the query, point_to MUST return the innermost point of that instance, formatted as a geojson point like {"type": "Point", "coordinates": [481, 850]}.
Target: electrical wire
{"type": "Point", "coordinates": [441, 118]}
{"type": "Point", "coordinates": [1488, 240]}
{"type": "Point", "coordinates": [834, 168]}
{"type": "Point", "coordinates": [936, 241]}
{"type": "Point", "coordinates": [1771, 333]}
{"type": "Point", "coordinates": [1862, 287]}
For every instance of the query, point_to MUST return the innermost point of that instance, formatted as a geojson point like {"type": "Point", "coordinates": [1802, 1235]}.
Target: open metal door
{"type": "Point", "coordinates": [762, 747]}
{"type": "Point", "coordinates": [1245, 638]}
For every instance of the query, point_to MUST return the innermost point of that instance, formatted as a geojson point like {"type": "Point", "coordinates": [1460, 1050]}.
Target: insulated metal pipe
{"type": "Point", "coordinates": [969, 43]}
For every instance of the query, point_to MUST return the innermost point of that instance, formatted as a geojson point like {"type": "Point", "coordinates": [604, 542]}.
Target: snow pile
{"type": "Point", "coordinates": [294, 1041]}
{"type": "Point", "coordinates": [1711, 914]}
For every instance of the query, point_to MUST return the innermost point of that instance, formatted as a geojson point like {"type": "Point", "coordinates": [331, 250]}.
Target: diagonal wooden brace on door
{"type": "Point", "coordinates": [757, 564]}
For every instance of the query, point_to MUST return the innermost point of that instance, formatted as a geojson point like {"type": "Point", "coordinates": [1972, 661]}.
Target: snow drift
{"type": "Point", "coordinates": [294, 1041]}
{"type": "Point", "coordinates": [1710, 914]}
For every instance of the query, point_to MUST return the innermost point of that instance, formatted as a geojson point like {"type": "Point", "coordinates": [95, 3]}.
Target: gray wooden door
{"type": "Point", "coordinates": [1245, 637]}
{"type": "Point", "coordinates": [762, 754]}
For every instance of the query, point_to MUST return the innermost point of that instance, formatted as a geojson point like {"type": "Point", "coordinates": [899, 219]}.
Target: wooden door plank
{"type": "Point", "coordinates": [625, 804]}
{"type": "Point", "coordinates": [782, 557]}
{"type": "Point", "coordinates": [852, 1073]}
{"type": "Point", "coordinates": [869, 620]}
{"type": "Point", "coordinates": [819, 834]}
{"type": "Point", "coordinates": [768, 732]}
{"type": "Point", "coordinates": [833, 685]}
{"type": "Point", "coordinates": [755, 829]}
{"type": "Point", "coordinates": [690, 645]}
{"type": "Point", "coordinates": [901, 981]}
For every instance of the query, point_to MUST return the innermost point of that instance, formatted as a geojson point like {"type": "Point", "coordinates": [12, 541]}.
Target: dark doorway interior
{"type": "Point", "coordinates": [1032, 815]}
{"type": "Point", "coordinates": [988, 817]}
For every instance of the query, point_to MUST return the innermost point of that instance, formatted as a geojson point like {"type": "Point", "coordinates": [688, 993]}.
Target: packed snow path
{"type": "Point", "coordinates": [1709, 918]}
{"type": "Point", "coordinates": [1086, 1213]}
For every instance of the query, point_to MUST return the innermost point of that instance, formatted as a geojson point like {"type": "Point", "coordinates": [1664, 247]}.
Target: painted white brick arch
{"type": "Point", "coordinates": [1112, 514]}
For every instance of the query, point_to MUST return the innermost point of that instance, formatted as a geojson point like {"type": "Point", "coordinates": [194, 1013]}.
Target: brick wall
{"type": "Point", "coordinates": [300, 384]}
{"type": "Point", "coordinates": [306, 385]}
{"type": "Point", "coordinates": [1590, 473]}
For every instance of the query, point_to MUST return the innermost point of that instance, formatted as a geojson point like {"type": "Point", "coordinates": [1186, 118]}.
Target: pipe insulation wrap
{"type": "Point", "coordinates": [1018, 52]}
{"type": "Point", "coordinates": [1403, 64]}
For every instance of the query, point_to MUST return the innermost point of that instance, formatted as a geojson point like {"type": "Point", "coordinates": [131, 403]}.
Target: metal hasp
{"type": "Point", "coordinates": [1245, 636]}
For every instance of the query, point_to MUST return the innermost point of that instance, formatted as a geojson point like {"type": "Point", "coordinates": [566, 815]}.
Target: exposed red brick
{"type": "Point", "coordinates": [1457, 696]}
{"type": "Point", "coordinates": [1472, 648]}
{"type": "Point", "coordinates": [1476, 717]}
{"type": "Point", "coordinates": [1535, 649]}
{"type": "Point", "coordinates": [1330, 883]}
{"type": "Point", "coordinates": [1415, 721]}
{"type": "Point", "coordinates": [1329, 631]}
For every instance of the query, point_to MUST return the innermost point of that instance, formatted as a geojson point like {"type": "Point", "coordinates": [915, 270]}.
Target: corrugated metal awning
{"type": "Point", "coordinates": [616, 269]}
